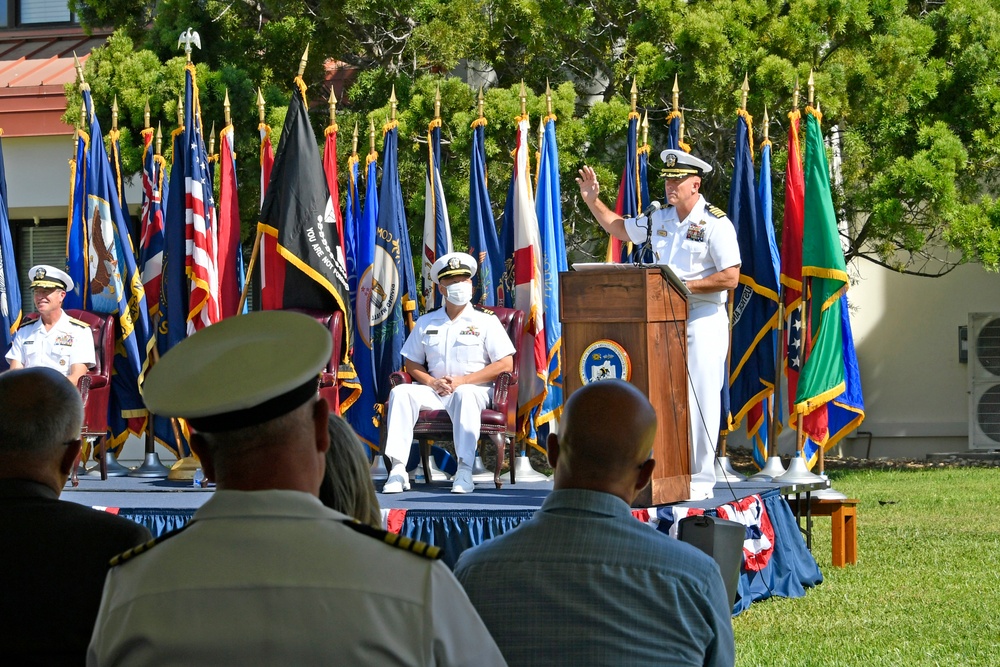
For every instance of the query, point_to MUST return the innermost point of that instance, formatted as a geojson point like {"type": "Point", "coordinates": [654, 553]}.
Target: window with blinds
{"type": "Point", "coordinates": [41, 244]}
{"type": "Point", "coordinates": [44, 11]}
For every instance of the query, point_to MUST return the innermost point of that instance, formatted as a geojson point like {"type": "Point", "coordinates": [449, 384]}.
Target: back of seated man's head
{"type": "Point", "coordinates": [606, 435]}
{"type": "Point", "coordinates": [248, 386]}
{"type": "Point", "coordinates": [40, 416]}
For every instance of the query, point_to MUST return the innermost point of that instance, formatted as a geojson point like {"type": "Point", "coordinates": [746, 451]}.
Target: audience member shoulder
{"type": "Point", "coordinates": [392, 539]}
{"type": "Point", "coordinates": [129, 554]}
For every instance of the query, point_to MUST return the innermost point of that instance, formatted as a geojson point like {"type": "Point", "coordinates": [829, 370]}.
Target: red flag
{"type": "Point", "coordinates": [330, 169]}
{"type": "Point", "coordinates": [230, 283]}
{"type": "Point", "coordinates": [272, 266]}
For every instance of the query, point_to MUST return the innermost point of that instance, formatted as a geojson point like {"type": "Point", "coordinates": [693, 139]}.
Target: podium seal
{"type": "Point", "coordinates": [605, 360]}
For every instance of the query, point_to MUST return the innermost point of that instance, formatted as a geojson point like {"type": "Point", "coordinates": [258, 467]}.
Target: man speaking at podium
{"type": "Point", "coordinates": [698, 242]}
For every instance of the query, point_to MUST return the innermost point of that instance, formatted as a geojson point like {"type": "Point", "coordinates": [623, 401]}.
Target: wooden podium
{"type": "Point", "coordinates": [640, 311]}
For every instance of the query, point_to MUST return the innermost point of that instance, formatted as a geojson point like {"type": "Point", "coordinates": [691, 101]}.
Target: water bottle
{"type": "Point", "coordinates": [199, 479]}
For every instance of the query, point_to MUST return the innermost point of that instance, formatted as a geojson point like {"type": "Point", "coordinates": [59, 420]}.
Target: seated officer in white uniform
{"type": "Point", "coordinates": [55, 340]}
{"type": "Point", "coordinates": [264, 574]}
{"type": "Point", "coordinates": [699, 243]}
{"type": "Point", "coordinates": [453, 355]}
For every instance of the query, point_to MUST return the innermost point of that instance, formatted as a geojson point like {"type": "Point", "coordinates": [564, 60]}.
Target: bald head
{"type": "Point", "coordinates": [39, 414]}
{"type": "Point", "coordinates": [605, 438]}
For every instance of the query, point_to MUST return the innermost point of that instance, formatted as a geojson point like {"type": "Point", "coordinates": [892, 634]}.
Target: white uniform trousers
{"type": "Point", "coordinates": [465, 406]}
{"type": "Point", "coordinates": [708, 344]}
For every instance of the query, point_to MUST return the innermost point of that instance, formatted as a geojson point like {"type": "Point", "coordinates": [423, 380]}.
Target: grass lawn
{"type": "Point", "coordinates": [925, 591]}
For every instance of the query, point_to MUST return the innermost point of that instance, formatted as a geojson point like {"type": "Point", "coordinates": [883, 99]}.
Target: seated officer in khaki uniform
{"type": "Point", "coordinates": [55, 340]}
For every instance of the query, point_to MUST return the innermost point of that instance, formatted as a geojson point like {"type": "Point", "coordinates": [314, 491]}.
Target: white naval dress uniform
{"type": "Point", "coordinates": [276, 578]}
{"type": "Point", "coordinates": [696, 247]}
{"type": "Point", "coordinates": [68, 342]}
{"type": "Point", "coordinates": [469, 343]}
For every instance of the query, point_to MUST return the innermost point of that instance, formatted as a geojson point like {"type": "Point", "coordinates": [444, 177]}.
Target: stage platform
{"type": "Point", "coordinates": [776, 561]}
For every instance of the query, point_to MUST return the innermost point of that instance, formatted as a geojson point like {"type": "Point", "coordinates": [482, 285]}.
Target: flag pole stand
{"type": "Point", "coordinates": [724, 471]}
{"type": "Point", "coordinates": [183, 469]}
{"type": "Point", "coordinates": [479, 471]}
{"type": "Point", "coordinates": [523, 472]}
{"type": "Point", "coordinates": [378, 471]}
{"type": "Point", "coordinates": [829, 493]}
{"type": "Point", "coordinates": [151, 466]}
{"type": "Point", "coordinates": [798, 472]}
{"type": "Point", "coordinates": [773, 467]}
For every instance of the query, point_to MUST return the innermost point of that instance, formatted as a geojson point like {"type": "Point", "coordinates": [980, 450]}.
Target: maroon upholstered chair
{"type": "Point", "coordinates": [498, 420]}
{"type": "Point", "coordinates": [95, 386]}
{"type": "Point", "coordinates": [329, 386]}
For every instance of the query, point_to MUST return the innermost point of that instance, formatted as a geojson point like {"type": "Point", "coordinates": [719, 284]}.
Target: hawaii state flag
{"type": "Point", "coordinates": [299, 214]}
{"type": "Point", "coordinates": [483, 242]}
{"type": "Point", "coordinates": [437, 228]}
{"type": "Point", "coordinates": [10, 289]}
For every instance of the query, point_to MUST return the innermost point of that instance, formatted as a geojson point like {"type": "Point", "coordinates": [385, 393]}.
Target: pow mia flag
{"type": "Point", "coordinates": [298, 212]}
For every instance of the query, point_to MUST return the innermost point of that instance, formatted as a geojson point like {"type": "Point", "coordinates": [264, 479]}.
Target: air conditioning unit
{"type": "Point", "coordinates": [984, 380]}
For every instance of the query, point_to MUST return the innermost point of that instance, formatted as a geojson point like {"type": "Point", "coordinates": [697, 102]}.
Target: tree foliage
{"type": "Point", "coordinates": [912, 89]}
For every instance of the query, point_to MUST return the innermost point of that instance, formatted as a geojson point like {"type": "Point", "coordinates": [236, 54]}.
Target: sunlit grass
{"type": "Point", "coordinates": [925, 591]}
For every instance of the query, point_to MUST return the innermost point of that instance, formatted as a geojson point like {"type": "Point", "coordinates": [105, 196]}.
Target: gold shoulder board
{"type": "Point", "coordinates": [716, 211]}
{"type": "Point", "coordinates": [79, 323]}
{"type": "Point", "coordinates": [128, 555]}
{"type": "Point", "coordinates": [407, 544]}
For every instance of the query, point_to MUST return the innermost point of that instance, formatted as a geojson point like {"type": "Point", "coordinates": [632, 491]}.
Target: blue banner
{"type": "Point", "coordinates": [10, 287]}
{"type": "Point", "coordinates": [483, 242]}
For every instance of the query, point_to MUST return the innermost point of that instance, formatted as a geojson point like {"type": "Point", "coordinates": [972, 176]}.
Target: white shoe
{"type": "Point", "coordinates": [463, 481]}
{"type": "Point", "coordinates": [398, 481]}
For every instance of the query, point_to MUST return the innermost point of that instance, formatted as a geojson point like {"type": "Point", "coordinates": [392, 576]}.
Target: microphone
{"type": "Point", "coordinates": [653, 207]}
{"type": "Point", "coordinates": [644, 249]}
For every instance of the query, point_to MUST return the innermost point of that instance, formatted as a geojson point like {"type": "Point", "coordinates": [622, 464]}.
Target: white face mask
{"type": "Point", "coordinates": [459, 294]}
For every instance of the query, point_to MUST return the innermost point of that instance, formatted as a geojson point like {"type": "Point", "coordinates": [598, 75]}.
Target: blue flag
{"type": "Point", "coordinates": [627, 205]}
{"type": "Point", "coordinates": [10, 289]}
{"type": "Point", "coordinates": [549, 210]}
{"type": "Point", "coordinates": [483, 242]}
{"type": "Point", "coordinates": [114, 285]}
{"type": "Point", "coordinates": [769, 409]}
{"type": "Point", "coordinates": [363, 414]}
{"type": "Point", "coordinates": [114, 136]}
{"type": "Point", "coordinates": [76, 233]}
{"type": "Point", "coordinates": [393, 288]}
{"type": "Point", "coordinates": [755, 302]}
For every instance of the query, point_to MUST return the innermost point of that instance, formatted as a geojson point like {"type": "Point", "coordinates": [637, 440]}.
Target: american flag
{"type": "Point", "coordinates": [201, 225]}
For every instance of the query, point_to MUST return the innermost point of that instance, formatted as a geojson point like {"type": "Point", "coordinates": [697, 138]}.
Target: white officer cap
{"type": "Point", "coordinates": [453, 264]}
{"type": "Point", "coordinates": [243, 371]}
{"type": "Point", "coordinates": [678, 164]}
{"type": "Point", "coordinates": [44, 275]}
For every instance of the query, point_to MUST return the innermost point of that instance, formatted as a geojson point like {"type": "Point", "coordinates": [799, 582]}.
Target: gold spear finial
{"type": "Point", "coordinates": [766, 119]}
{"type": "Point", "coordinates": [746, 92]}
{"type": "Point", "coordinates": [260, 106]}
{"type": "Point", "coordinates": [114, 113]}
{"type": "Point", "coordinates": [482, 103]}
{"type": "Point", "coordinates": [524, 99]}
{"type": "Point", "coordinates": [371, 133]}
{"type": "Point", "coordinates": [302, 62]}
{"type": "Point", "coordinates": [634, 97]}
{"type": "Point", "coordinates": [645, 128]}
{"type": "Point", "coordinates": [211, 140]}
{"type": "Point", "coordinates": [354, 146]}
{"type": "Point", "coordinates": [812, 87]}
{"type": "Point", "coordinates": [83, 115]}
{"type": "Point", "coordinates": [180, 112]}
{"type": "Point", "coordinates": [541, 133]}
{"type": "Point", "coordinates": [795, 94]}
{"type": "Point", "coordinates": [226, 111]}
{"type": "Point", "coordinates": [332, 105]}
{"type": "Point", "coordinates": [78, 67]}
{"type": "Point", "coordinates": [676, 103]}
{"type": "Point", "coordinates": [548, 99]}
{"type": "Point", "coordinates": [392, 103]}
{"type": "Point", "coordinates": [680, 131]}
{"type": "Point", "coordinates": [159, 139]}
{"type": "Point", "coordinates": [145, 116]}
{"type": "Point", "coordinates": [437, 103]}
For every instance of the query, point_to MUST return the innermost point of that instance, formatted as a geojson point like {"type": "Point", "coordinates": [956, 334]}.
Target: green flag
{"type": "Point", "coordinates": [822, 376]}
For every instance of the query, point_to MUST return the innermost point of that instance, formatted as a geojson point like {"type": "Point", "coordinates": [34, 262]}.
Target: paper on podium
{"type": "Point", "coordinates": [667, 272]}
